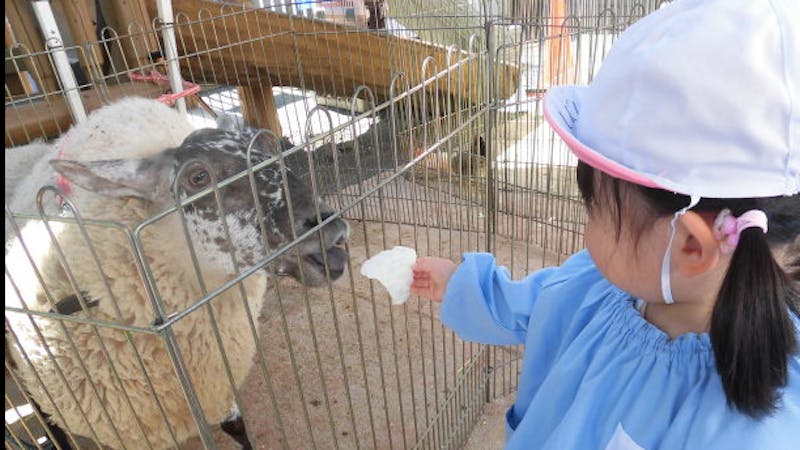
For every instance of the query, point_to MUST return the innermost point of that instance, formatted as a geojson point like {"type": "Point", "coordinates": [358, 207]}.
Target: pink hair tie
{"type": "Point", "coordinates": [727, 228]}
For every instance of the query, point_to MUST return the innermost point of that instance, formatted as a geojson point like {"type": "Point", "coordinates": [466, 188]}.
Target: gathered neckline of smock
{"type": "Point", "coordinates": [625, 320]}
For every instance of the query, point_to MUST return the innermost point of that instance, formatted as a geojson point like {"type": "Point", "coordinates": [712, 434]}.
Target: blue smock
{"type": "Point", "coordinates": [595, 374]}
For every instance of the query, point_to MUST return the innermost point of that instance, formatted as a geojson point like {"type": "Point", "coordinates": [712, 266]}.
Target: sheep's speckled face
{"type": "Point", "coordinates": [212, 154]}
{"type": "Point", "coordinates": [260, 218]}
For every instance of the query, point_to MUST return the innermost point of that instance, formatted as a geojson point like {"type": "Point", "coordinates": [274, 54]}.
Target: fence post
{"type": "Point", "coordinates": [167, 334]}
{"type": "Point", "coordinates": [171, 50]}
{"type": "Point", "coordinates": [55, 44]}
{"type": "Point", "coordinates": [491, 209]}
{"type": "Point", "coordinates": [182, 372]}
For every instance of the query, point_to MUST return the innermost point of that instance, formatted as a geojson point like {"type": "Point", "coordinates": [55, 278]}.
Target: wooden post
{"type": "Point", "coordinates": [82, 16]}
{"type": "Point", "coordinates": [259, 109]}
{"type": "Point", "coordinates": [28, 121]}
{"type": "Point", "coordinates": [18, 79]}
{"type": "Point", "coordinates": [377, 14]}
{"type": "Point", "coordinates": [559, 61]}
{"type": "Point", "coordinates": [135, 49]}
{"type": "Point", "coordinates": [19, 14]}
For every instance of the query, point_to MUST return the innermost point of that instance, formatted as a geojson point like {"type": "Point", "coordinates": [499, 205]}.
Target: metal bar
{"type": "Point", "coordinates": [491, 213]}
{"type": "Point", "coordinates": [55, 46]}
{"type": "Point", "coordinates": [171, 344]}
{"type": "Point", "coordinates": [171, 50]}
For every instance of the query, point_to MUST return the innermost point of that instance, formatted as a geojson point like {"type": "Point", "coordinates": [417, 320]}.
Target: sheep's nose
{"type": "Point", "coordinates": [335, 232]}
{"type": "Point", "coordinates": [313, 221]}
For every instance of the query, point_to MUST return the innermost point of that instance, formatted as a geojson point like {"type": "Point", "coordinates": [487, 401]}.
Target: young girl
{"type": "Point", "coordinates": [676, 328]}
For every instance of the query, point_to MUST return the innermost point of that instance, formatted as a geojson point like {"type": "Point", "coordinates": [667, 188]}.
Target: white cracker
{"type": "Point", "coordinates": [392, 268]}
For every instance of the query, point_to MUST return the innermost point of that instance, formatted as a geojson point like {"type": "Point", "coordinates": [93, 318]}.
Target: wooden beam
{"type": "Point", "coordinates": [559, 56]}
{"type": "Point", "coordinates": [332, 59]}
{"type": "Point", "coordinates": [51, 116]}
{"type": "Point", "coordinates": [26, 31]}
{"type": "Point", "coordinates": [81, 17]}
{"type": "Point", "coordinates": [131, 19]}
{"type": "Point", "coordinates": [10, 40]}
{"type": "Point", "coordinates": [259, 109]}
{"type": "Point", "coordinates": [18, 79]}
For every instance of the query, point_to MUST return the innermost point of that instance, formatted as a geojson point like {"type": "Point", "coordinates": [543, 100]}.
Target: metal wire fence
{"type": "Point", "coordinates": [426, 132]}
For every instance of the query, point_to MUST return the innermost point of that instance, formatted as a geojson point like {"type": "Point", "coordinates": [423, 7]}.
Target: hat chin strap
{"type": "Point", "coordinates": [666, 289]}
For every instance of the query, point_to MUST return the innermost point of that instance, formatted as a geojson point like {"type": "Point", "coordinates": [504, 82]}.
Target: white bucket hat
{"type": "Point", "coordinates": [701, 97]}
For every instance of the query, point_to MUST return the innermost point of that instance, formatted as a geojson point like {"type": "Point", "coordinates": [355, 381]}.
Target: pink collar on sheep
{"type": "Point", "coordinates": [61, 180]}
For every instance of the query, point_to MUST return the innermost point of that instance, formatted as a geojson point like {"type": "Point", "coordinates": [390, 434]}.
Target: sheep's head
{"type": "Point", "coordinates": [260, 217]}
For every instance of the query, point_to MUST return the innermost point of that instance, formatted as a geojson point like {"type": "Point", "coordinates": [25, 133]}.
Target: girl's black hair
{"type": "Point", "coordinates": [751, 330]}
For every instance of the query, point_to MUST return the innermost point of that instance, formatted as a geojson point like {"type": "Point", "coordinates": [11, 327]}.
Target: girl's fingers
{"type": "Point", "coordinates": [423, 263]}
{"type": "Point", "coordinates": [420, 284]}
{"type": "Point", "coordinates": [429, 275]}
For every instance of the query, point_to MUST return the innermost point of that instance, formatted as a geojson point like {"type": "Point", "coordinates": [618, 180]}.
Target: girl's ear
{"type": "Point", "coordinates": [698, 249]}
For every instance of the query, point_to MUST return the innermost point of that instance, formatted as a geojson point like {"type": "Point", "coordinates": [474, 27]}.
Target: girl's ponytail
{"type": "Point", "coordinates": [751, 331]}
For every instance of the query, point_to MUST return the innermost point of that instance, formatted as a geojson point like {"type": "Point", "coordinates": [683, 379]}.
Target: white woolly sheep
{"type": "Point", "coordinates": [19, 161]}
{"type": "Point", "coordinates": [89, 380]}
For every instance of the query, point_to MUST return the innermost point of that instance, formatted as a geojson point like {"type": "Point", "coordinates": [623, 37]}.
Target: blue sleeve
{"type": "Point", "coordinates": [483, 304]}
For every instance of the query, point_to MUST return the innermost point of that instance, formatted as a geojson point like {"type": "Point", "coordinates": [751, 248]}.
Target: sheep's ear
{"type": "Point", "coordinates": [267, 142]}
{"type": "Point", "coordinates": [112, 178]}
{"type": "Point", "coordinates": [226, 122]}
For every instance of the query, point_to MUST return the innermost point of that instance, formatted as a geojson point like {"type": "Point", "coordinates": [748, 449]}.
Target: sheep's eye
{"type": "Point", "coordinates": [199, 178]}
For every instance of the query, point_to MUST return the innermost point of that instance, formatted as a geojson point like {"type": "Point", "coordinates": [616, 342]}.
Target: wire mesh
{"type": "Point", "coordinates": [425, 132]}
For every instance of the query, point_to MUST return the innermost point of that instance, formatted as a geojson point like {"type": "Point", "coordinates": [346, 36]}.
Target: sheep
{"type": "Point", "coordinates": [89, 380]}
{"type": "Point", "coordinates": [18, 164]}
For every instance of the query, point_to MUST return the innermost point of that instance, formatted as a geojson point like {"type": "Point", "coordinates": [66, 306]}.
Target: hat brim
{"type": "Point", "coordinates": [562, 107]}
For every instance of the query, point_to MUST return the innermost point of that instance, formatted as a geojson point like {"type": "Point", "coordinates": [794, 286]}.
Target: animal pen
{"type": "Point", "coordinates": [421, 127]}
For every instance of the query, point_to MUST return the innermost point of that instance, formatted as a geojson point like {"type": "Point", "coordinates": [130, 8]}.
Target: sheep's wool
{"type": "Point", "coordinates": [392, 268]}
{"type": "Point", "coordinates": [130, 417]}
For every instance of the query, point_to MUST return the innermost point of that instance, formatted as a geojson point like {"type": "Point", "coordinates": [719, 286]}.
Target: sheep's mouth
{"type": "Point", "coordinates": [335, 257]}
{"type": "Point", "coordinates": [314, 268]}
{"type": "Point", "coordinates": [318, 259]}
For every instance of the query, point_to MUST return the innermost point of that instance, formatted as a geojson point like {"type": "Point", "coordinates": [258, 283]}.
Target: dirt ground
{"type": "Point", "coordinates": [489, 432]}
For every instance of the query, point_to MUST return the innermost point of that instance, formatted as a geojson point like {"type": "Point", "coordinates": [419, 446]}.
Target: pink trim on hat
{"type": "Point", "coordinates": [595, 159]}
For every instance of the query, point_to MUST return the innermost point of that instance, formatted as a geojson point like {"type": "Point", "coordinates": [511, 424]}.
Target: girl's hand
{"type": "Point", "coordinates": [431, 275]}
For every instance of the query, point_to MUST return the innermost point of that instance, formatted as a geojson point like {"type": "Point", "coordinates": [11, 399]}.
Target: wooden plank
{"type": "Point", "coordinates": [329, 58]}
{"type": "Point", "coordinates": [559, 68]}
{"type": "Point", "coordinates": [131, 19]}
{"type": "Point", "coordinates": [258, 107]}
{"type": "Point", "coordinates": [49, 117]}
{"type": "Point", "coordinates": [26, 31]}
{"type": "Point", "coordinates": [81, 16]}
{"type": "Point", "coordinates": [18, 80]}
{"type": "Point", "coordinates": [10, 40]}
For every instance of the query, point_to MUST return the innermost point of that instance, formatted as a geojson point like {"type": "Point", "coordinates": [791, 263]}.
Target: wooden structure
{"type": "Point", "coordinates": [49, 117]}
{"type": "Point", "coordinates": [23, 37]}
{"type": "Point", "coordinates": [329, 58]}
{"type": "Point", "coordinates": [254, 50]}
{"type": "Point", "coordinates": [559, 66]}
{"type": "Point", "coordinates": [35, 106]}
{"type": "Point", "coordinates": [260, 49]}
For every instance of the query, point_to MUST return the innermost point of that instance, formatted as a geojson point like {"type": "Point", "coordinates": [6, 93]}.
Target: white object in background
{"type": "Point", "coordinates": [392, 268]}
{"type": "Point", "coordinates": [55, 44]}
